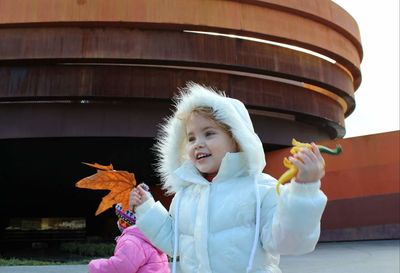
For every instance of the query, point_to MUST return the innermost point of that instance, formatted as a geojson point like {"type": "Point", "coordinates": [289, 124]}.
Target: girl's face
{"type": "Point", "coordinates": [207, 143]}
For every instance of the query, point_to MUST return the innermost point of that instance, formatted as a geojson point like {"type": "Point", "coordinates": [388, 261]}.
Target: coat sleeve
{"type": "Point", "coordinates": [128, 258]}
{"type": "Point", "coordinates": [291, 221]}
{"type": "Point", "coordinates": [157, 224]}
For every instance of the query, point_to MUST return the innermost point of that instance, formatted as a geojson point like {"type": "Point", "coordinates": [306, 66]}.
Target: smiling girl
{"type": "Point", "coordinates": [208, 141]}
{"type": "Point", "coordinates": [226, 215]}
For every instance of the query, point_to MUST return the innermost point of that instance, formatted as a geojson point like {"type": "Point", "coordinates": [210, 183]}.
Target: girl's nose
{"type": "Point", "coordinates": [199, 144]}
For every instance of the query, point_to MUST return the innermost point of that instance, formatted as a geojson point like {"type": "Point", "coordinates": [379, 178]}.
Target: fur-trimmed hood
{"type": "Point", "coordinates": [170, 146]}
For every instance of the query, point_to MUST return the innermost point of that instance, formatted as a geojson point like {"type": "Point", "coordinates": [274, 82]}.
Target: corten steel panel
{"type": "Point", "coordinates": [145, 54]}
{"type": "Point", "coordinates": [82, 119]}
{"type": "Point", "coordinates": [327, 12]}
{"type": "Point", "coordinates": [82, 83]}
{"type": "Point", "coordinates": [369, 165]}
{"type": "Point", "coordinates": [172, 48]}
{"type": "Point", "coordinates": [294, 25]}
{"type": "Point", "coordinates": [362, 211]}
{"type": "Point", "coordinates": [362, 186]}
{"type": "Point", "coordinates": [63, 82]}
{"type": "Point", "coordinates": [120, 119]}
{"type": "Point", "coordinates": [362, 218]}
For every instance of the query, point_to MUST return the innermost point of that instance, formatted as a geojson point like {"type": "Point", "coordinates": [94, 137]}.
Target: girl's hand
{"type": "Point", "coordinates": [137, 196]}
{"type": "Point", "coordinates": [310, 164]}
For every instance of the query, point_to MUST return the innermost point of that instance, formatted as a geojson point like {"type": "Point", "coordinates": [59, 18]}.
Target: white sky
{"type": "Point", "coordinates": [377, 99]}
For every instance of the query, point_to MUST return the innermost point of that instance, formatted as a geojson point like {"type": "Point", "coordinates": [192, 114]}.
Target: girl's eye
{"type": "Point", "coordinates": [209, 133]}
{"type": "Point", "coordinates": [191, 139]}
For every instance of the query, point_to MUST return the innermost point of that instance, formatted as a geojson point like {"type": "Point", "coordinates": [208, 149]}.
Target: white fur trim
{"type": "Point", "coordinates": [170, 146]}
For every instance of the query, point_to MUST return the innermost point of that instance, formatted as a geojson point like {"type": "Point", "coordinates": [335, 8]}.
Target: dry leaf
{"type": "Point", "coordinates": [100, 167]}
{"type": "Point", "coordinates": [120, 183]}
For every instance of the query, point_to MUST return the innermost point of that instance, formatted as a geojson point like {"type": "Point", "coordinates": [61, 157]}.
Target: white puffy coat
{"type": "Point", "coordinates": [237, 223]}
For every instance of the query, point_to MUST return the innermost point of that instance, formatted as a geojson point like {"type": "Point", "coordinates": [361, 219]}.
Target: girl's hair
{"type": "Point", "coordinates": [209, 113]}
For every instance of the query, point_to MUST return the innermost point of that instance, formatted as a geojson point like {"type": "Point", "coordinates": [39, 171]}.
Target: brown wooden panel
{"type": "Point", "coordinates": [243, 18]}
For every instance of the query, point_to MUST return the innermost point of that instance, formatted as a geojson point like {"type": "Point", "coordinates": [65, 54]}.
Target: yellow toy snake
{"type": "Point", "coordinates": [289, 174]}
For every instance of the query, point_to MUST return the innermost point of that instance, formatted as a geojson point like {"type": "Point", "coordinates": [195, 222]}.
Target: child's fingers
{"type": "Point", "coordinates": [317, 153]}
{"type": "Point", "coordinates": [309, 163]}
{"type": "Point", "coordinates": [297, 162]}
{"type": "Point", "coordinates": [134, 198]}
{"type": "Point", "coordinates": [131, 198]}
{"type": "Point", "coordinates": [305, 155]}
{"type": "Point", "coordinates": [140, 196]}
{"type": "Point", "coordinates": [141, 191]}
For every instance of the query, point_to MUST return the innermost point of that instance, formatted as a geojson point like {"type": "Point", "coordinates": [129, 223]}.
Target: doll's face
{"type": "Point", "coordinates": [120, 227]}
{"type": "Point", "coordinates": [207, 143]}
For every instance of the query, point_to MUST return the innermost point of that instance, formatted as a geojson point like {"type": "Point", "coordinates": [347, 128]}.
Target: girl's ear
{"type": "Point", "coordinates": [237, 146]}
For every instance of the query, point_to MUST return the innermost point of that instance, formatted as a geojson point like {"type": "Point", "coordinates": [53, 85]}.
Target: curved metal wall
{"type": "Point", "coordinates": [123, 60]}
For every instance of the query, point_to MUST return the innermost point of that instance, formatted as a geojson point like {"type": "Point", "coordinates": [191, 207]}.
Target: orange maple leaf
{"type": "Point", "coordinates": [119, 182]}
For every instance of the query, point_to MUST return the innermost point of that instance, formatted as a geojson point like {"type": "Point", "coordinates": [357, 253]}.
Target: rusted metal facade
{"type": "Point", "coordinates": [62, 59]}
{"type": "Point", "coordinates": [362, 185]}
{"type": "Point", "coordinates": [77, 76]}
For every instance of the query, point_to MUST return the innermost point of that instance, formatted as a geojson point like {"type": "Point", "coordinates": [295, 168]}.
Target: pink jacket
{"type": "Point", "coordinates": [133, 254]}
